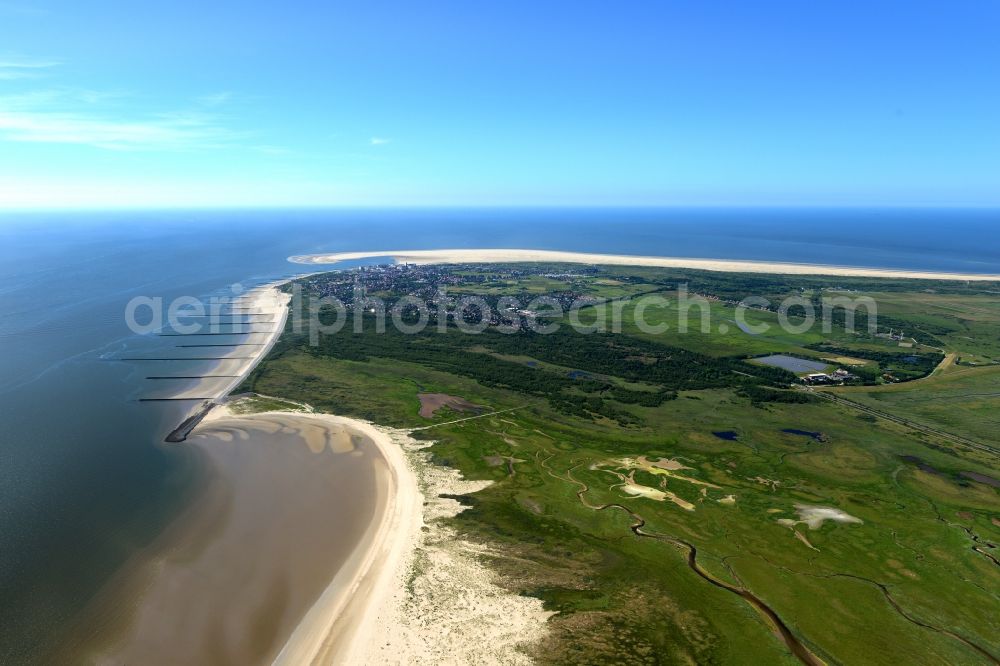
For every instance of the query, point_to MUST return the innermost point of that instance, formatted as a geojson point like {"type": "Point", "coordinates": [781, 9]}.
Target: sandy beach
{"type": "Point", "coordinates": [300, 547]}
{"type": "Point", "coordinates": [485, 256]}
{"type": "Point", "coordinates": [264, 301]}
{"type": "Point", "coordinates": [302, 550]}
{"type": "Point", "coordinates": [422, 595]}
{"type": "Point", "coordinates": [327, 631]}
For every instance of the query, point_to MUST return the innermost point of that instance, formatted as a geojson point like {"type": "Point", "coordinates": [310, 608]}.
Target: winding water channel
{"type": "Point", "coordinates": [791, 641]}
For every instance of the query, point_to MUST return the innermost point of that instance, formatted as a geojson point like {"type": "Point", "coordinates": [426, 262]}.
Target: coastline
{"type": "Point", "coordinates": [290, 503]}
{"type": "Point", "coordinates": [267, 299]}
{"type": "Point", "coordinates": [364, 582]}
{"type": "Point", "coordinates": [239, 575]}
{"type": "Point", "coordinates": [271, 300]}
{"type": "Point", "coordinates": [486, 256]}
{"type": "Point", "coordinates": [422, 594]}
{"type": "Point", "coordinates": [330, 630]}
{"type": "Point", "coordinates": [368, 611]}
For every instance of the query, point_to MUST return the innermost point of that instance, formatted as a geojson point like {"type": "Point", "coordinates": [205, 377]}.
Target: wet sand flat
{"type": "Point", "coordinates": [288, 501]}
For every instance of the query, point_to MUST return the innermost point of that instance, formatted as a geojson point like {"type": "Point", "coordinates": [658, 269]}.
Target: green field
{"type": "Point", "coordinates": [963, 400]}
{"type": "Point", "coordinates": [647, 490]}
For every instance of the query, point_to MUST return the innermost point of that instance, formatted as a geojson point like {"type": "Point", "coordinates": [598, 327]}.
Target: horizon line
{"type": "Point", "coordinates": [489, 206]}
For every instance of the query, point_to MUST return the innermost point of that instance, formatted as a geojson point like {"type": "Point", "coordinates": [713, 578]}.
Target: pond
{"type": "Point", "coordinates": [982, 478]}
{"type": "Point", "coordinates": [791, 363]}
{"type": "Point", "coordinates": [818, 436]}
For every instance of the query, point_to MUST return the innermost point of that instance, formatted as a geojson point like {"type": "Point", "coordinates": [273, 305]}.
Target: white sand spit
{"type": "Point", "coordinates": [483, 256]}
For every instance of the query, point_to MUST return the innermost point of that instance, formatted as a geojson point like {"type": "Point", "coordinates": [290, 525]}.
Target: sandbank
{"type": "Point", "coordinates": [486, 256]}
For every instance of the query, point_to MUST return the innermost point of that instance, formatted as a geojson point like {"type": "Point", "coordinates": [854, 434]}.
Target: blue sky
{"type": "Point", "coordinates": [111, 104]}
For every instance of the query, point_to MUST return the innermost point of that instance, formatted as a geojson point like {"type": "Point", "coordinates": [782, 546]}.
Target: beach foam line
{"type": "Point", "coordinates": [486, 256]}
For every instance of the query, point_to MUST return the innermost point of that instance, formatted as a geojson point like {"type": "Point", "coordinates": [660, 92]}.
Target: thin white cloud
{"type": "Point", "coordinates": [378, 141]}
{"type": "Point", "coordinates": [29, 100]}
{"type": "Point", "coordinates": [85, 118]}
{"type": "Point", "coordinates": [215, 99]}
{"type": "Point", "coordinates": [97, 97]}
{"type": "Point", "coordinates": [23, 69]}
{"type": "Point", "coordinates": [171, 132]}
